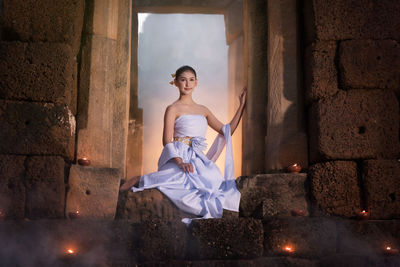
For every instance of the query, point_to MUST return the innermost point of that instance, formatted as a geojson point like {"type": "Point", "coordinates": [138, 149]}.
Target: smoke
{"type": "Point", "coordinates": [166, 43]}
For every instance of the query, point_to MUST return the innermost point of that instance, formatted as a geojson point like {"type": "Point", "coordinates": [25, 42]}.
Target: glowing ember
{"type": "Point", "coordinates": [288, 249]}
{"type": "Point", "coordinates": [363, 215]}
{"type": "Point", "coordinates": [390, 250]}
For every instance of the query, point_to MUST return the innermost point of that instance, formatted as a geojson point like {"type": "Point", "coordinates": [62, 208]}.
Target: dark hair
{"type": "Point", "coordinates": [183, 69]}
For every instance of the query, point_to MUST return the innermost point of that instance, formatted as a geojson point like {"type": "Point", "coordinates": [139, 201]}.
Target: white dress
{"type": "Point", "coordinates": [204, 192]}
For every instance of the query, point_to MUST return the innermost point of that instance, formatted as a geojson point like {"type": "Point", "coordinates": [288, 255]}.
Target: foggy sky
{"type": "Point", "coordinates": [166, 43]}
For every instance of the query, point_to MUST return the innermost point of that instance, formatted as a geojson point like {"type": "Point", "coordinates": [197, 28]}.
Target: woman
{"type": "Point", "coordinates": [188, 177]}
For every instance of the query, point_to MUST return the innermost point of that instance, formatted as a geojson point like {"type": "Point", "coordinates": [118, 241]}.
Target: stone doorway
{"type": "Point", "coordinates": [233, 13]}
{"type": "Point", "coordinates": [264, 53]}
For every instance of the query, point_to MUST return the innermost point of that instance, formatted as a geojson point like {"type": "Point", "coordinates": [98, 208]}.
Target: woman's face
{"type": "Point", "coordinates": [186, 82]}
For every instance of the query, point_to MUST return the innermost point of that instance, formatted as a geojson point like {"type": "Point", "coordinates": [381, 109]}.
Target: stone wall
{"type": "Point", "coordinates": [39, 47]}
{"type": "Point", "coordinates": [351, 67]}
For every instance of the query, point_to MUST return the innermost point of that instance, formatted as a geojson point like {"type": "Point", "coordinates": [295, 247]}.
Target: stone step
{"type": "Point", "coordinates": [222, 242]}
{"type": "Point", "coordinates": [93, 191]}
{"type": "Point", "coordinates": [263, 196]}
{"type": "Point", "coordinates": [273, 195]}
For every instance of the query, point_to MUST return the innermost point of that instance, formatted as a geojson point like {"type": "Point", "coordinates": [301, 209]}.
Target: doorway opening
{"type": "Point", "coordinates": [166, 42]}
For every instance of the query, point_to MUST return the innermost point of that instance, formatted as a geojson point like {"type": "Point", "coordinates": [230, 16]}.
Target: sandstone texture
{"type": "Point", "coordinates": [225, 238]}
{"type": "Point", "coordinates": [44, 21]}
{"type": "Point", "coordinates": [321, 74]}
{"type": "Point", "coordinates": [370, 64]}
{"type": "Point", "coordinates": [267, 195]}
{"type": "Point", "coordinates": [367, 237]}
{"type": "Point", "coordinates": [42, 72]}
{"type": "Point", "coordinates": [12, 187]}
{"type": "Point", "coordinates": [161, 240]}
{"type": "Point", "coordinates": [349, 260]}
{"type": "Point", "coordinates": [381, 181]}
{"type": "Point", "coordinates": [93, 192]}
{"type": "Point", "coordinates": [355, 124]}
{"type": "Point", "coordinates": [264, 261]}
{"type": "Point", "coordinates": [45, 187]}
{"type": "Point", "coordinates": [311, 237]}
{"type": "Point", "coordinates": [36, 128]}
{"type": "Point", "coordinates": [335, 189]}
{"type": "Point", "coordinates": [351, 19]}
{"type": "Point", "coordinates": [146, 205]}
{"type": "Point", "coordinates": [45, 243]}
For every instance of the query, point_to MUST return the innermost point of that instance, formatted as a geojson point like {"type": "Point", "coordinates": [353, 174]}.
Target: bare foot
{"type": "Point", "coordinates": [129, 183]}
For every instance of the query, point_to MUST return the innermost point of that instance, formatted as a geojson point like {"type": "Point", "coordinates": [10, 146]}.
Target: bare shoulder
{"type": "Point", "coordinates": [205, 110]}
{"type": "Point", "coordinates": [171, 110]}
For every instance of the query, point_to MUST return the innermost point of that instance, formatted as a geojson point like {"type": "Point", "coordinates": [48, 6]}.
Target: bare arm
{"type": "Point", "coordinates": [217, 125]}
{"type": "Point", "coordinates": [238, 115]}
{"type": "Point", "coordinates": [169, 120]}
{"type": "Point", "coordinates": [168, 135]}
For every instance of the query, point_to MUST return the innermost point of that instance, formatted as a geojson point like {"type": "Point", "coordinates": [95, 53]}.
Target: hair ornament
{"type": "Point", "coordinates": [171, 82]}
{"type": "Point", "coordinates": [173, 75]}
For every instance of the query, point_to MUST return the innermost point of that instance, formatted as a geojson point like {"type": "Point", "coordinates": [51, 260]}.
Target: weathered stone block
{"type": "Point", "coordinates": [225, 238]}
{"type": "Point", "coordinates": [335, 189]}
{"type": "Point", "coordinates": [353, 125]}
{"type": "Point", "coordinates": [349, 260]}
{"type": "Point", "coordinates": [263, 261]}
{"type": "Point", "coordinates": [44, 21]}
{"type": "Point", "coordinates": [267, 195]}
{"type": "Point", "coordinates": [45, 187]}
{"type": "Point", "coordinates": [381, 182]}
{"type": "Point", "coordinates": [321, 75]}
{"type": "Point", "coordinates": [146, 205]}
{"type": "Point", "coordinates": [93, 192]}
{"type": "Point", "coordinates": [12, 188]}
{"type": "Point", "coordinates": [36, 128]}
{"type": "Point", "coordinates": [311, 237]}
{"type": "Point", "coordinates": [370, 64]}
{"type": "Point", "coordinates": [45, 243]}
{"type": "Point", "coordinates": [162, 240]}
{"type": "Point", "coordinates": [351, 19]}
{"type": "Point", "coordinates": [367, 237]}
{"type": "Point", "coordinates": [44, 72]}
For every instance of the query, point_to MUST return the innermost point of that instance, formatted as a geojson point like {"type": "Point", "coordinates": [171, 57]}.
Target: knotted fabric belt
{"type": "Point", "coordinates": [197, 142]}
{"type": "Point", "coordinates": [186, 139]}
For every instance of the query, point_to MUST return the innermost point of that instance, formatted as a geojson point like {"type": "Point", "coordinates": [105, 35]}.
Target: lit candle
{"type": "Point", "coordinates": [74, 215]}
{"type": "Point", "coordinates": [288, 249]}
{"type": "Point", "coordinates": [363, 215]}
{"type": "Point", "coordinates": [69, 254]}
{"type": "Point", "coordinates": [84, 161]}
{"type": "Point", "coordinates": [390, 251]}
{"type": "Point", "coordinates": [294, 168]}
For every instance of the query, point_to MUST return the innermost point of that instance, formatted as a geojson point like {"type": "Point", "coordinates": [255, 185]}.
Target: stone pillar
{"type": "Point", "coordinates": [134, 157]}
{"type": "Point", "coordinates": [234, 38]}
{"type": "Point", "coordinates": [255, 75]}
{"type": "Point", "coordinates": [286, 140]}
{"type": "Point", "coordinates": [104, 86]}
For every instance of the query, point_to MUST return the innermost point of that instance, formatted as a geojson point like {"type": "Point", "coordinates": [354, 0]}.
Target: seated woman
{"type": "Point", "coordinates": [185, 175]}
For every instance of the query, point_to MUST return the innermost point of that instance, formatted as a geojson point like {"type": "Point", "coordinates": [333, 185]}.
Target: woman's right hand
{"type": "Point", "coordinates": [186, 167]}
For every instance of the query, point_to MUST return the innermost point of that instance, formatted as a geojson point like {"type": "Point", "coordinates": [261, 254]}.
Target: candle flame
{"type": "Point", "coordinates": [70, 251]}
{"type": "Point", "coordinates": [77, 212]}
{"type": "Point", "coordinates": [288, 249]}
{"type": "Point", "coordinates": [388, 248]}
{"type": "Point", "coordinates": [363, 211]}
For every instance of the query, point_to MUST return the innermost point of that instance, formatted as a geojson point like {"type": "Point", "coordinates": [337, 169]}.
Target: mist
{"type": "Point", "coordinates": [167, 42]}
